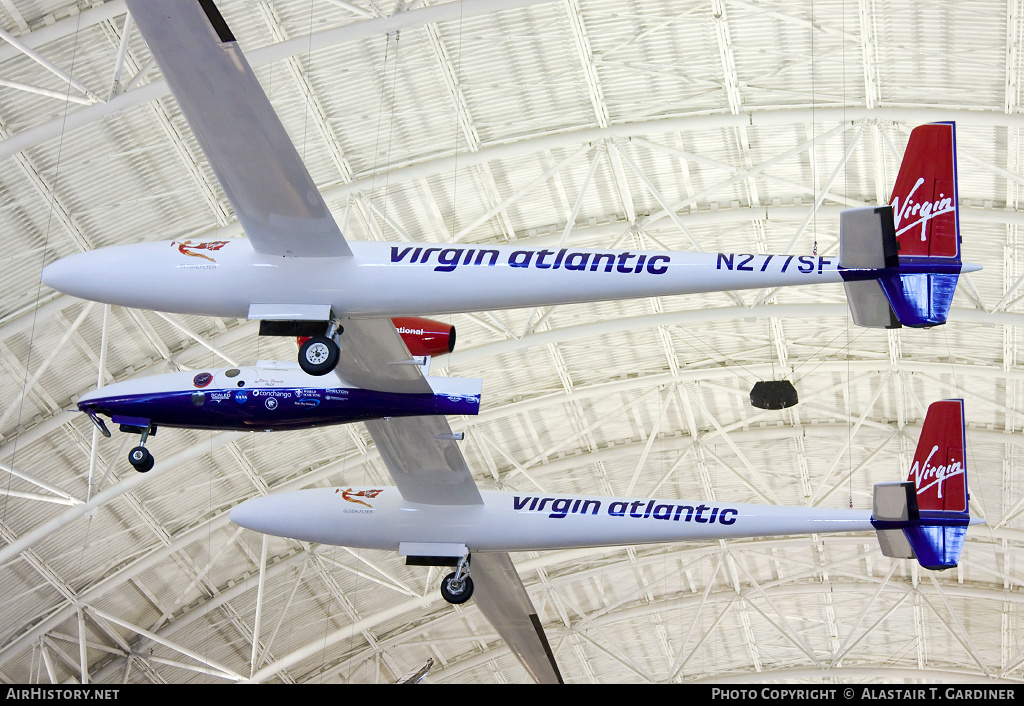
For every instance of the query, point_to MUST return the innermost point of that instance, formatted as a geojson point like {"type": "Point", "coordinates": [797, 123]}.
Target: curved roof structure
{"type": "Point", "coordinates": [713, 125]}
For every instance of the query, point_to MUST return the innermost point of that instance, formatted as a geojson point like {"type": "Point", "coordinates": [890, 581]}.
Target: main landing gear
{"type": "Point", "coordinates": [319, 354]}
{"type": "Point", "coordinates": [140, 457]}
{"type": "Point", "coordinates": [457, 587]}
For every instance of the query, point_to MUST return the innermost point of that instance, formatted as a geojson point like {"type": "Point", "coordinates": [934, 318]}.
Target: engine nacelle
{"type": "Point", "coordinates": [425, 336]}
{"type": "Point", "coordinates": [421, 336]}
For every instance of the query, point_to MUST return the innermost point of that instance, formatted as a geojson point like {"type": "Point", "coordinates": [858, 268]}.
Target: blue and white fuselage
{"type": "Point", "coordinates": [269, 396]}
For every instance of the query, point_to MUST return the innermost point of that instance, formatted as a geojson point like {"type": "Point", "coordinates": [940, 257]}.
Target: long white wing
{"type": "Point", "coordinates": [283, 213]}
{"type": "Point", "coordinates": [501, 597]}
{"type": "Point", "coordinates": [424, 460]}
{"type": "Point", "coordinates": [258, 167]}
{"type": "Point", "coordinates": [427, 465]}
{"type": "Point", "coordinates": [374, 357]}
{"type": "Point", "coordinates": [421, 453]}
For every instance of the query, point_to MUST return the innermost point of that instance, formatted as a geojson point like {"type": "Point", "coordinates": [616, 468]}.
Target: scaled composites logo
{"type": "Point", "coordinates": [909, 214]}
{"type": "Point", "coordinates": [353, 496]}
{"type": "Point", "coordinates": [187, 247]}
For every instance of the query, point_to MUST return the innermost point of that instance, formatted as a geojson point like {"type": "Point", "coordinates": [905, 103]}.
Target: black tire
{"type": "Point", "coordinates": [459, 595]}
{"type": "Point", "coordinates": [141, 459]}
{"type": "Point", "coordinates": [318, 355]}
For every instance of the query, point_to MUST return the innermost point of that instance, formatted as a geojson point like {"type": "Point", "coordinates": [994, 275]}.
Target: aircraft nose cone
{"type": "Point", "coordinates": [272, 514]}
{"type": "Point", "coordinates": [81, 275]}
{"type": "Point", "coordinates": [57, 275]}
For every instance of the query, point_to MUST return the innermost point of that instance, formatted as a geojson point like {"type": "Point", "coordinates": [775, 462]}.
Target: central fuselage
{"type": "Point", "coordinates": [379, 518]}
{"type": "Point", "coordinates": [269, 396]}
{"type": "Point", "coordinates": [226, 277]}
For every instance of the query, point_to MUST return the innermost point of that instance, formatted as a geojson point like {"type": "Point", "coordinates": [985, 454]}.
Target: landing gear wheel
{"type": "Point", "coordinates": [141, 459]}
{"type": "Point", "coordinates": [318, 355]}
{"type": "Point", "coordinates": [456, 591]}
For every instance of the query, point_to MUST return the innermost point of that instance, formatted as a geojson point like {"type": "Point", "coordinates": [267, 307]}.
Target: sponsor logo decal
{"type": "Point", "coordinates": [354, 497]}
{"type": "Point", "coordinates": [448, 259]}
{"type": "Point", "coordinates": [906, 209]}
{"type": "Point", "coordinates": [930, 476]}
{"type": "Point", "coordinates": [186, 247]}
{"type": "Point", "coordinates": [271, 403]}
{"type": "Point", "coordinates": [558, 508]}
{"type": "Point", "coordinates": [284, 394]}
{"type": "Point", "coordinates": [241, 397]}
{"type": "Point", "coordinates": [202, 379]}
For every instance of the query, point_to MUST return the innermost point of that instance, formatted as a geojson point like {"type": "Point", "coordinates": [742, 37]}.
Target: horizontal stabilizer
{"type": "Point", "coordinates": [869, 306]}
{"type": "Point", "coordinates": [867, 238]}
{"type": "Point", "coordinates": [867, 241]}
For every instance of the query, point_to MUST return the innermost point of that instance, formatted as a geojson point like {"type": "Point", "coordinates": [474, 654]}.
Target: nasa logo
{"type": "Point", "coordinates": [241, 397]}
{"type": "Point", "coordinates": [271, 403]}
{"type": "Point", "coordinates": [202, 379]}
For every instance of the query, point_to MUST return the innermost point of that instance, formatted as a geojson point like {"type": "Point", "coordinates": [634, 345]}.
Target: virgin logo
{"type": "Point", "coordinates": [353, 497]}
{"type": "Point", "coordinates": [931, 476]}
{"type": "Point", "coordinates": [185, 247]}
{"type": "Point", "coordinates": [922, 211]}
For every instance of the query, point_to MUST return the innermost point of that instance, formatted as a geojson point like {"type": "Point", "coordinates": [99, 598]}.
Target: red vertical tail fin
{"type": "Point", "coordinates": [939, 468]}
{"type": "Point", "coordinates": [924, 200]}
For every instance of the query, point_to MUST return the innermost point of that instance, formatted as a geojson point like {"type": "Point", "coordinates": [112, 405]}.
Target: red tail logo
{"type": "Point", "coordinates": [939, 469]}
{"type": "Point", "coordinates": [924, 199]}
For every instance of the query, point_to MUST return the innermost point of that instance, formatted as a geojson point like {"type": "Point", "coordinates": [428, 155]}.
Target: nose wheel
{"type": "Point", "coordinates": [319, 354]}
{"type": "Point", "coordinates": [140, 457]}
{"type": "Point", "coordinates": [457, 587]}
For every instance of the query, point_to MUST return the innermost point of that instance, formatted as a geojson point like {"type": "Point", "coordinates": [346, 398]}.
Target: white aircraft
{"type": "Point", "coordinates": [899, 263]}
{"type": "Point", "coordinates": [437, 516]}
{"type": "Point", "coordinates": [298, 275]}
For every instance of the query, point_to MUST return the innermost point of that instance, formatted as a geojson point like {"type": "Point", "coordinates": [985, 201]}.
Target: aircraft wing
{"type": "Point", "coordinates": [423, 456]}
{"type": "Point", "coordinates": [501, 597]}
{"type": "Point", "coordinates": [424, 459]}
{"type": "Point", "coordinates": [427, 466]}
{"type": "Point", "coordinates": [261, 172]}
{"type": "Point", "coordinates": [374, 357]}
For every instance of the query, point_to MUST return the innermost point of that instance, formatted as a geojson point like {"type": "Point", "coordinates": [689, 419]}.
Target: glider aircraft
{"type": "Point", "coordinates": [924, 517]}
{"type": "Point", "coordinates": [297, 274]}
{"type": "Point", "coordinates": [295, 270]}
